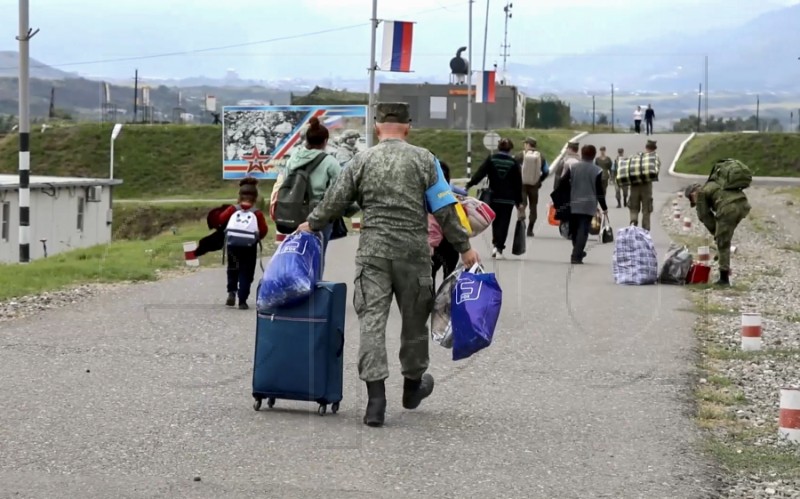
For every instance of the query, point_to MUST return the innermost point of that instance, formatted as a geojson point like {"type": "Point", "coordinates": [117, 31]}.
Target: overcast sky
{"type": "Point", "coordinates": [103, 30]}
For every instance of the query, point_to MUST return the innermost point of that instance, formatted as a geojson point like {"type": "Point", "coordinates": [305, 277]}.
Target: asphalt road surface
{"type": "Point", "coordinates": [584, 393]}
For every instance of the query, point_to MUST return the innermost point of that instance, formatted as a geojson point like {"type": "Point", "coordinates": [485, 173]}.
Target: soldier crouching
{"type": "Point", "coordinates": [391, 182]}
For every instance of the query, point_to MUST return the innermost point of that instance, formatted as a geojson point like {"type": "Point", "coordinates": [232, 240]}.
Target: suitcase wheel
{"type": "Point", "coordinates": [271, 402]}
{"type": "Point", "coordinates": [257, 404]}
{"type": "Point", "coordinates": [335, 407]}
{"type": "Point", "coordinates": [322, 409]}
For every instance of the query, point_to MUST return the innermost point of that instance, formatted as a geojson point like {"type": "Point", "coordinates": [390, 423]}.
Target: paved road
{"type": "Point", "coordinates": [583, 394]}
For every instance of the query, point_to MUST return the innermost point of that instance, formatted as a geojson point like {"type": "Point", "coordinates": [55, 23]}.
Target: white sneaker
{"type": "Point", "coordinates": [494, 252]}
{"type": "Point", "coordinates": [499, 256]}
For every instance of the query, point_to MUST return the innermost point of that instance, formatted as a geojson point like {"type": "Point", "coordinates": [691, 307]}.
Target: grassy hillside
{"type": "Point", "coordinates": [182, 161]}
{"type": "Point", "coordinates": [767, 154]}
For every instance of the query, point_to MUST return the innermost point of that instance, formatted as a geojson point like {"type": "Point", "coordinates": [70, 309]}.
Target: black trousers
{"type": "Point", "coordinates": [649, 126]}
{"type": "Point", "coordinates": [637, 125]}
{"type": "Point", "coordinates": [241, 270]}
{"type": "Point", "coordinates": [579, 233]}
{"type": "Point", "coordinates": [501, 224]}
{"type": "Point", "coordinates": [444, 257]}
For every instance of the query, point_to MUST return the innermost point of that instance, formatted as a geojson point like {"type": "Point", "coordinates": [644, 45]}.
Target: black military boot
{"type": "Point", "coordinates": [231, 301]}
{"type": "Point", "coordinates": [376, 405]}
{"type": "Point", "coordinates": [724, 278]}
{"type": "Point", "coordinates": [415, 391]}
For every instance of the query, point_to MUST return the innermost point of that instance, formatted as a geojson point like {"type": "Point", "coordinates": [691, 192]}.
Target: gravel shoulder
{"type": "Point", "coordinates": [738, 392]}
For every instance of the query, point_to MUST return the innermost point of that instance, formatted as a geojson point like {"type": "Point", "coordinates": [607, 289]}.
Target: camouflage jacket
{"type": "Point", "coordinates": [713, 204]}
{"type": "Point", "coordinates": [388, 181]}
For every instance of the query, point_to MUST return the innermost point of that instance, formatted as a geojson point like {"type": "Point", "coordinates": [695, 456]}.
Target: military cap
{"type": "Point", "coordinates": [392, 112]}
{"type": "Point", "coordinates": [687, 193]}
{"type": "Point", "coordinates": [573, 145]}
{"type": "Point", "coordinates": [651, 144]}
{"type": "Point", "coordinates": [530, 141]}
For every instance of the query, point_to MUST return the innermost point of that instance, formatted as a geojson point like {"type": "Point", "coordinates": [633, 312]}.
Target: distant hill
{"type": "Point", "coordinates": [9, 68]}
{"type": "Point", "coordinates": [758, 56]}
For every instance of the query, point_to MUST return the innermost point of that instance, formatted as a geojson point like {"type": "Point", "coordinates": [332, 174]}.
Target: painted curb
{"type": "Point", "coordinates": [756, 180]}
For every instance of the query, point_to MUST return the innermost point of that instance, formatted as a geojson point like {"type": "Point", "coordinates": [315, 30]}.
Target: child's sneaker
{"type": "Point", "coordinates": [231, 301]}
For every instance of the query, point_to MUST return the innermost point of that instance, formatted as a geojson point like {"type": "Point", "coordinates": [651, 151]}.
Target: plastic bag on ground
{"type": "Point", "coordinates": [635, 260]}
{"type": "Point", "coordinates": [292, 273]}
{"type": "Point", "coordinates": [676, 266]}
{"type": "Point", "coordinates": [476, 302]}
{"type": "Point", "coordinates": [441, 325]}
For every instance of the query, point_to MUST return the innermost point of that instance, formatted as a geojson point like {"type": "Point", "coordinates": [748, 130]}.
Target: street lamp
{"type": "Point", "coordinates": [114, 134]}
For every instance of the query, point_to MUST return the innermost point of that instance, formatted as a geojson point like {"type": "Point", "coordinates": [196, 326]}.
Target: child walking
{"type": "Point", "coordinates": [245, 227]}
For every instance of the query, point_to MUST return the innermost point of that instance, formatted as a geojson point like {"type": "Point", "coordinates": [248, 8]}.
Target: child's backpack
{"type": "Point", "coordinates": [293, 204]}
{"type": "Point", "coordinates": [242, 229]}
{"type": "Point", "coordinates": [731, 174]}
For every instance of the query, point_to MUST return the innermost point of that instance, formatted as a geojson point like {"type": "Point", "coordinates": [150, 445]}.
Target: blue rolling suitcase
{"type": "Point", "coordinates": [299, 350]}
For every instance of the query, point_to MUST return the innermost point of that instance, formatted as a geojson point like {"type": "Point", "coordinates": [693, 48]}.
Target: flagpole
{"type": "Point", "coordinates": [483, 66]}
{"type": "Point", "coordinates": [469, 95]}
{"type": "Point", "coordinates": [372, 65]}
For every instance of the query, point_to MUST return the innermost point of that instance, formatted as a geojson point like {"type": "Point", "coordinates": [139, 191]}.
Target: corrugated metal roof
{"type": "Point", "coordinates": [9, 182]}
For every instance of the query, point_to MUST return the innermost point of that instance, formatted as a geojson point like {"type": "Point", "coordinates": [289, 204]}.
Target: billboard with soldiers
{"type": "Point", "coordinates": [258, 140]}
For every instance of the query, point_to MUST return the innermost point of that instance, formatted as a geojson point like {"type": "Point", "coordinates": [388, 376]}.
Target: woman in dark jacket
{"type": "Point", "coordinates": [505, 186]}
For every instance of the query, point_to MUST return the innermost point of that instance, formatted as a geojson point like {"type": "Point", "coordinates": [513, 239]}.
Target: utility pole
{"type": "Point", "coordinates": [135, 95]}
{"type": "Point", "coordinates": [707, 95]}
{"type": "Point", "coordinates": [506, 46]}
{"type": "Point", "coordinates": [372, 67]}
{"type": "Point", "coordinates": [469, 95]}
{"type": "Point", "coordinates": [612, 108]}
{"type": "Point", "coordinates": [25, 35]}
{"type": "Point", "coordinates": [699, 103]}
{"type": "Point", "coordinates": [483, 66]}
{"type": "Point", "coordinates": [758, 113]}
{"type": "Point", "coordinates": [593, 111]}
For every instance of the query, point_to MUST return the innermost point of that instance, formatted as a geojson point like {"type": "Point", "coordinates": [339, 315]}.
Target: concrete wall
{"type": "Point", "coordinates": [451, 100]}
{"type": "Point", "coordinates": [55, 218]}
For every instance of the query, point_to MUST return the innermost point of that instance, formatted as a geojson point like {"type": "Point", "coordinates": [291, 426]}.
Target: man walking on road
{"type": "Point", "coordinates": [394, 183]}
{"type": "Point", "coordinates": [569, 158]}
{"type": "Point", "coordinates": [534, 171]}
{"type": "Point", "coordinates": [649, 116]}
{"type": "Point", "coordinates": [617, 187]}
{"type": "Point", "coordinates": [641, 199]}
{"type": "Point", "coordinates": [606, 164]}
{"type": "Point", "coordinates": [586, 191]}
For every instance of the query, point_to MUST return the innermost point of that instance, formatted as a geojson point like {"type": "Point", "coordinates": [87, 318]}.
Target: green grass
{"type": "Point", "coordinates": [184, 161]}
{"type": "Point", "coordinates": [736, 454]}
{"type": "Point", "coordinates": [767, 154]}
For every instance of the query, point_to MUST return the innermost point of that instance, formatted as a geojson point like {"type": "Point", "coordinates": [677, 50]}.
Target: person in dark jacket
{"type": "Point", "coordinates": [649, 116]}
{"type": "Point", "coordinates": [586, 191]}
{"type": "Point", "coordinates": [505, 183]}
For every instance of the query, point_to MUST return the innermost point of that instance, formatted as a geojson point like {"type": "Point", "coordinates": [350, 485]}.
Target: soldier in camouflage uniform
{"type": "Point", "coordinates": [720, 210]}
{"type": "Point", "coordinates": [389, 182]}
{"type": "Point", "coordinates": [641, 195]}
{"type": "Point", "coordinates": [347, 146]}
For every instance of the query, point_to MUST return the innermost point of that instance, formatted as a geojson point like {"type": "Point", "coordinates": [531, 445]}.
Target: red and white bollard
{"type": "Point", "coordinates": [189, 255]}
{"type": "Point", "coordinates": [674, 204]}
{"type": "Point", "coordinates": [356, 222]}
{"type": "Point", "coordinates": [687, 224]}
{"type": "Point", "coordinates": [751, 331]}
{"type": "Point", "coordinates": [704, 254]}
{"type": "Point", "coordinates": [676, 213]}
{"type": "Point", "coordinates": [789, 418]}
{"type": "Point", "coordinates": [680, 194]}
{"type": "Point", "coordinates": [279, 238]}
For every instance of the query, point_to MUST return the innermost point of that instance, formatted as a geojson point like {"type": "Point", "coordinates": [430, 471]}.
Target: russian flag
{"type": "Point", "coordinates": [485, 87]}
{"type": "Point", "coordinates": [397, 38]}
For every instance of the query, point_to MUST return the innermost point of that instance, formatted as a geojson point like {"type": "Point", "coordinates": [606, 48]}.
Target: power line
{"type": "Point", "coordinates": [224, 47]}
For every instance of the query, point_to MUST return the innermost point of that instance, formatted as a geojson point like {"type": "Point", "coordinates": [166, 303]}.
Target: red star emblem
{"type": "Point", "coordinates": [256, 161]}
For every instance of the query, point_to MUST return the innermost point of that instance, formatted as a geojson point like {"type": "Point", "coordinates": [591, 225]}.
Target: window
{"type": "Point", "coordinates": [81, 210]}
{"type": "Point", "coordinates": [438, 108]}
{"type": "Point", "coordinates": [6, 221]}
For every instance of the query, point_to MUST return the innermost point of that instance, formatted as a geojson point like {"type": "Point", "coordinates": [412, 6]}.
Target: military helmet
{"type": "Point", "coordinates": [350, 134]}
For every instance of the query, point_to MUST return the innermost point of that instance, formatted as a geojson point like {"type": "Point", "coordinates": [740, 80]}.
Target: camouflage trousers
{"type": "Point", "coordinates": [377, 281]}
{"type": "Point", "coordinates": [641, 200]}
{"type": "Point", "coordinates": [727, 221]}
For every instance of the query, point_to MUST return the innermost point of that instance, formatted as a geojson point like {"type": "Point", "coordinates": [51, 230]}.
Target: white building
{"type": "Point", "coordinates": [66, 212]}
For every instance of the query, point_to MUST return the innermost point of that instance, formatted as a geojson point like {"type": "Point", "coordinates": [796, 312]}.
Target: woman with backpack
{"type": "Point", "coordinates": [505, 187]}
{"type": "Point", "coordinates": [245, 228]}
{"type": "Point", "coordinates": [324, 170]}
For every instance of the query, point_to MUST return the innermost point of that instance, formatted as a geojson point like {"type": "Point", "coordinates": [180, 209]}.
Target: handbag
{"type": "Point", "coordinates": [607, 234]}
{"type": "Point", "coordinates": [339, 229]}
{"type": "Point", "coordinates": [518, 245]}
{"type": "Point", "coordinates": [596, 225]}
{"type": "Point", "coordinates": [475, 309]}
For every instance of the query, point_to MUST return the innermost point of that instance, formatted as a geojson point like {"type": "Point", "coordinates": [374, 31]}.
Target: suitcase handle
{"type": "Point", "coordinates": [341, 345]}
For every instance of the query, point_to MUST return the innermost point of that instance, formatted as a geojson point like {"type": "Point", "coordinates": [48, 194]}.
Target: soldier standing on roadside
{"type": "Point", "coordinates": [391, 182]}
{"type": "Point", "coordinates": [619, 189]}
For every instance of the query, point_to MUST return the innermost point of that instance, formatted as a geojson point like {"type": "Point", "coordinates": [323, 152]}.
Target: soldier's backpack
{"type": "Point", "coordinates": [531, 167]}
{"type": "Point", "coordinates": [731, 174]}
{"type": "Point", "coordinates": [293, 204]}
{"type": "Point", "coordinates": [242, 229]}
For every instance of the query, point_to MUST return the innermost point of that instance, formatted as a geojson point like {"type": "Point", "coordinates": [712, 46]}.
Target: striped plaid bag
{"type": "Point", "coordinates": [638, 169]}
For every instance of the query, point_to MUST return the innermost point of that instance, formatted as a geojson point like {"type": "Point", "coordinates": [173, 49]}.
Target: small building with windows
{"type": "Point", "coordinates": [65, 213]}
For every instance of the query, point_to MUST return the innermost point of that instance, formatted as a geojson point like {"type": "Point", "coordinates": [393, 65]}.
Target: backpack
{"type": "Point", "coordinates": [731, 174]}
{"type": "Point", "coordinates": [293, 203]}
{"type": "Point", "coordinates": [531, 168]}
{"type": "Point", "coordinates": [242, 229]}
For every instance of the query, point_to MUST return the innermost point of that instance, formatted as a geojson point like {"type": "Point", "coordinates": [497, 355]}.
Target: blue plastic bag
{"type": "Point", "coordinates": [474, 311]}
{"type": "Point", "coordinates": [292, 273]}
